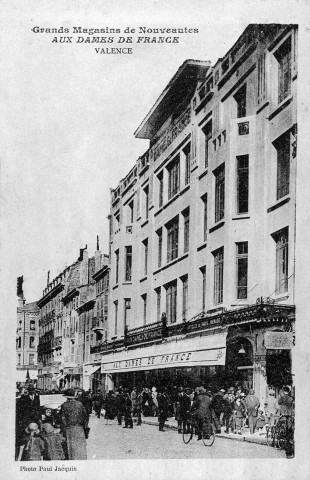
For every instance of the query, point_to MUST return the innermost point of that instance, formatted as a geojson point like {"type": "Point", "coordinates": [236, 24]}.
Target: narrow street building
{"type": "Point", "coordinates": [202, 229]}
{"type": "Point", "coordinates": [27, 337]}
{"type": "Point", "coordinates": [68, 325]}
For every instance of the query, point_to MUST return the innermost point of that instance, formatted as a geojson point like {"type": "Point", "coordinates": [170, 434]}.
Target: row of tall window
{"type": "Point", "coordinates": [30, 359]}
{"type": "Point", "coordinates": [241, 282]}
{"type": "Point", "coordinates": [170, 307]}
{"type": "Point", "coordinates": [283, 149]}
{"type": "Point", "coordinates": [31, 343]}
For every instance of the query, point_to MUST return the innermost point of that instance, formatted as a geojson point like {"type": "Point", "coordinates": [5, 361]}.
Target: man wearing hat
{"type": "Point", "coordinates": [74, 419]}
{"type": "Point", "coordinates": [218, 408]}
{"type": "Point", "coordinates": [29, 407]}
{"type": "Point", "coordinates": [229, 400]}
{"type": "Point", "coordinates": [98, 402]}
{"type": "Point", "coordinates": [183, 407]}
{"type": "Point", "coordinates": [202, 413]}
{"type": "Point", "coordinates": [163, 406]}
{"type": "Point", "coordinates": [251, 404]}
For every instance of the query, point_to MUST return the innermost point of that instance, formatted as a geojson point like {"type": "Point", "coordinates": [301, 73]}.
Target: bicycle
{"type": "Point", "coordinates": [281, 435]}
{"type": "Point", "coordinates": [188, 430]}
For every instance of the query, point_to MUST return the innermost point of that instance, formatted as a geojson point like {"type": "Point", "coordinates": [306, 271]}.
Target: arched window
{"type": "Point", "coordinates": [31, 342]}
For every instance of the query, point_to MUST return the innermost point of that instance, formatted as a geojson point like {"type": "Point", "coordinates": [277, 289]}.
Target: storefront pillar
{"type": "Point", "coordinates": [109, 383]}
{"type": "Point", "coordinates": [260, 379]}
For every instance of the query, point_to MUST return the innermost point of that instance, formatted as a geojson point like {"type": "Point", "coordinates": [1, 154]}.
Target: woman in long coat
{"type": "Point", "coordinates": [202, 413]}
{"type": "Point", "coordinates": [74, 419]}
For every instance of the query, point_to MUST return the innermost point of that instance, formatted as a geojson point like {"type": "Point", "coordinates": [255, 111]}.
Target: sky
{"type": "Point", "coordinates": [71, 115]}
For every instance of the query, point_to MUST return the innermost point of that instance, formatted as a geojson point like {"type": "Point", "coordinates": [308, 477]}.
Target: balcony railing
{"type": "Point", "coordinates": [170, 135]}
{"type": "Point", "coordinates": [156, 332]}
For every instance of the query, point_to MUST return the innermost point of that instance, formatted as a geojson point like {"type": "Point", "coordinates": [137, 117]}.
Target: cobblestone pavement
{"type": "Point", "coordinates": [146, 442]}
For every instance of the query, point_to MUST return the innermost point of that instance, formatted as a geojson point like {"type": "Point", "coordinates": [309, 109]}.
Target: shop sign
{"type": "Point", "coordinates": [184, 359]}
{"type": "Point", "coordinates": [279, 340]}
{"type": "Point", "coordinates": [72, 370]}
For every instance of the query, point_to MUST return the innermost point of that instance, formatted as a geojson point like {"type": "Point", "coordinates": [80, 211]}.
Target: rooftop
{"type": "Point", "coordinates": [182, 84]}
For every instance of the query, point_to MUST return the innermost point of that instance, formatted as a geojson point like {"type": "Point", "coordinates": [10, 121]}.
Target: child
{"type": "Point", "coordinates": [32, 447]}
{"type": "Point", "coordinates": [261, 422]}
{"type": "Point", "coordinates": [53, 443]}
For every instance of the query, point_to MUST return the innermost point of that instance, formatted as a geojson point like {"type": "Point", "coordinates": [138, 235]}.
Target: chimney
{"type": "Point", "coordinates": [83, 266]}
{"type": "Point", "coordinates": [20, 293]}
{"type": "Point", "coordinates": [48, 278]}
{"type": "Point", "coordinates": [81, 253]}
{"type": "Point", "coordinates": [98, 242]}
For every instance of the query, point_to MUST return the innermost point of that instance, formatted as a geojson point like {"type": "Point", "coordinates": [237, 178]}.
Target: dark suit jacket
{"type": "Point", "coordinates": [29, 410]}
{"type": "Point", "coordinates": [202, 406]}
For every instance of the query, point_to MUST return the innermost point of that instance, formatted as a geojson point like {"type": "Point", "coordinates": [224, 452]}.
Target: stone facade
{"type": "Point", "coordinates": [27, 339]}
{"type": "Point", "coordinates": [203, 226]}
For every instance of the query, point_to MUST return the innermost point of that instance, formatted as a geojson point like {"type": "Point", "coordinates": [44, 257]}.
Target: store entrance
{"type": "Point", "coordinates": [239, 364]}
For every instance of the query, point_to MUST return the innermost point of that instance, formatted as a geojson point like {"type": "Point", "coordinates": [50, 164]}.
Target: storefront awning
{"type": "Point", "coordinates": [209, 350]}
{"type": "Point", "coordinates": [90, 369]}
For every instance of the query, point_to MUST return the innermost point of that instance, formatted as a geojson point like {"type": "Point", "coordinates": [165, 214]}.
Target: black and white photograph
{"type": "Point", "coordinates": [150, 211]}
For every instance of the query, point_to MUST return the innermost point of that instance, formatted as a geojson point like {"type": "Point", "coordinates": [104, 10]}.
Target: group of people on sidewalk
{"type": "Point", "coordinates": [231, 408]}
{"type": "Point", "coordinates": [38, 438]}
{"type": "Point", "coordinates": [44, 438]}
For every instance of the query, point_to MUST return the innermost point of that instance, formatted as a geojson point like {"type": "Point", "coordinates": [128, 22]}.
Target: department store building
{"type": "Point", "coordinates": [202, 228]}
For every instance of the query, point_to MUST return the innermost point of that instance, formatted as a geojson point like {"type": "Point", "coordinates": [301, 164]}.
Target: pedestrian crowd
{"type": "Point", "coordinates": [63, 435]}
{"type": "Point", "coordinates": [232, 409]}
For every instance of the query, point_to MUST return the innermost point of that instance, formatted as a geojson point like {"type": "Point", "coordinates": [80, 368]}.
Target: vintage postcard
{"type": "Point", "coordinates": [153, 207]}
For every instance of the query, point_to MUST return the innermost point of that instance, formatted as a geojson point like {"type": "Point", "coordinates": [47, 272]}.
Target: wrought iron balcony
{"type": "Point", "coordinates": [262, 312]}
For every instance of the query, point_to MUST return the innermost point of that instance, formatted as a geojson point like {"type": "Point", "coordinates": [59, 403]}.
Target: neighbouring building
{"type": "Point", "coordinates": [27, 337]}
{"type": "Point", "coordinates": [68, 310]}
{"type": "Point", "coordinates": [94, 324]}
{"type": "Point", "coordinates": [50, 356]}
{"type": "Point", "coordinates": [202, 229]}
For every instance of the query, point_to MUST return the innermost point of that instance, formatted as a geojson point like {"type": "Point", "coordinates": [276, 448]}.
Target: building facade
{"type": "Point", "coordinates": [202, 229]}
{"type": "Point", "coordinates": [27, 338]}
{"type": "Point", "coordinates": [68, 311]}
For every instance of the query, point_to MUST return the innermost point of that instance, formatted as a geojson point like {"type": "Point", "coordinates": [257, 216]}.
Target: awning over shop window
{"type": "Point", "coordinates": [209, 350]}
{"type": "Point", "coordinates": [90, 369]}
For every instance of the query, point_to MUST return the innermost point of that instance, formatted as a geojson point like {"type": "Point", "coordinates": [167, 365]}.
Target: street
{"type": "Point", "coordinates": [146, 442]}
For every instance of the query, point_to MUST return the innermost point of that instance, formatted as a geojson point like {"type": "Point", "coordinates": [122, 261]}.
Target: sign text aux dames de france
{"type": "Point", "coordinates": [156, 360]}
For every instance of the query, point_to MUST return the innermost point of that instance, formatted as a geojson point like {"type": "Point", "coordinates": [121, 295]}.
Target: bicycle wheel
{"type": "Point", "coordinates": [208, 441]}
{"type": "Point", "coordinates": [187, 432]}
{"type": "Point", "coordinates": [270, 436]}
{"type": "Point", "coordinates": [281, 437]}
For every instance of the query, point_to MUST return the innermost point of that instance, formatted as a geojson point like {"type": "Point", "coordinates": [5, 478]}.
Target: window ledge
{"type": "Point", "coordinates": [262, 107]}
{"type": "Point", "coordinates": [241, 217]}
{"type": "Point", "coordinates": [280, 107]}
{"type": "Point", "coordinates": [218, 225]}
{"type": "Point", "coordinates": [203, 174]}
{"type": "Point", "coordinates": [280, 299]}
{"type": "Point", "coordinates": [143, 279]}
{"type": "Point", "coordinates": [173, 262]}
{"type": "Point", "coordinates": [172, 199]}
{"type": "Point", "coordinates": [202, 247]}
{"type": "Point", "coordinates": [144, 223]}
{"type": "Point", "coordinates": [278, 205]}
{"type": "Point", "coordinates": [115, 286]}
{"type": "Point", "coordinates": [127, 283]}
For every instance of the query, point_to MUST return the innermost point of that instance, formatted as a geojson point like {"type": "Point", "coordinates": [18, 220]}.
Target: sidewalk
{"type": "Point", "coordinates": [244, 437]}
